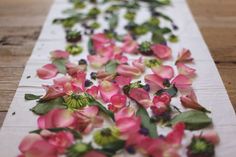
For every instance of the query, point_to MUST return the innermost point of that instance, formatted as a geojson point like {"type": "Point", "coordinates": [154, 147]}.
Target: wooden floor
{"type": "Point", "coordinates": [20, 27]}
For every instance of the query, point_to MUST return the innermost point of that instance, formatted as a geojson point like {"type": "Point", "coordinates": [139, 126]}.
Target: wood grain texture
{"type": "Point", "coordinates": [20, 27]}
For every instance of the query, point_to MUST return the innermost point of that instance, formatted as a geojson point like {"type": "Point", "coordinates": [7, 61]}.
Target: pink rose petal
{"type": "Point", "coordinates": [141, 96]}
{"type": "Point", "coordinates": [48, 71]}
{"type": "Point", "coordinates": [97, 61]}
{"type": "Point", "coordinates": [128, 71]}
{"type": "Point", "coordinates": [161, 51]}
{"type": "Point", "coordinates": [107, 90]}
{"type": "Point", "coordinates": [184, 69]}
{"type": "Point", "coordinates": [59, 54]}
{"type": "Point", "coordinates": [122, 80]}
{"type": "Point", "coordinates": [182, 82]}
{"type": "Point", "coordinates": [184, 56]}
{"type": "Point", "coordinates": [154, 81]}
{"type": "Point", "coordinates": [163, 71]}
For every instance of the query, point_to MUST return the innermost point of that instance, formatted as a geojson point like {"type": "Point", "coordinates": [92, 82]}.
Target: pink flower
{"type": "Point", "coordinates": [184, 56]}
{"type": "Point", "coordinates": [161, 104]}
{"type": "Point", "coordinates": [141, 96]}
{"type": "Point", "coordinates": [164, 97]}
{"type": "Point", "coordinates": [122, 80]}
{"type": "Point", "coordinates": [97, 61]}
{"type": "Point", "coordinates": [48, 71]}
{"type": "Point", "coordinates": [79, 81]}
{"type": "Point", "coordinates": [61, 140]}
{"type": "Point", "coordinates": [129, 45]}
{"type": "Point", "coordinates": [185, 70]}
{"type": "Point", "coordinates": [118, 101]}
{"type": "Point", "coordinates": [73, 69]}
{"type": "Point", "coordinates": [93, 91]}
{"type": "Point", "coordinates": [34, 145]}
{"type": "Point", "coordinates": [154, 81]}
{"type": "Point", "coordinates": [190, 101]}
{"type": "Point", "coordinates": [161, 51]}
{"type": "Point", "coordinates": [59, 54]}
{"type": "Point", "coordinates": [121, 59]}
{"type": "Point", "coordinates": [55, 119]}
{"type": "Point", "coordinates": [87, 119]}
{"type": "Point", "coordinates": [128, 71]}
{"type": "Point", "coordinates": [163, 71]}
{"type": "Point", "coordinates": [181, 82]}
{"type": "Point", "coordinates": [53, 92]}
{"type": "Point", "coordinates": [107, 90]}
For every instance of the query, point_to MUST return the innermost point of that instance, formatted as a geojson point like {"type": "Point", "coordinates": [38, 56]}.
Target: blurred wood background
{"type": "Point", "coordinates": [22, 20]}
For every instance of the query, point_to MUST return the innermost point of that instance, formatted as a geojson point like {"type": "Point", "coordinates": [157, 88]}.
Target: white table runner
{"type": "Point", "coordinates": [208, 84]}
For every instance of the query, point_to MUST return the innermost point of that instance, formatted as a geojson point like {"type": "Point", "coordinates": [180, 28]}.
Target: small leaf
{"type": "Point", "coordinates": [61, 65]}
{"type": "Point", "coordinates": [113, 21]}
{"type": "Point", "coordinates": [112, 148]}
{"type": "Point", "coordinates": [32, 97]}
{"type": "Point", "coordinates": [157, 37]}
{"type": "Point", "coordinates": [90, 47]}
{"type": "Point", "coordinates": [146, 122]}
{"type": "Point", "coordinates": [111, 66]}
{"type": "Point", "coordinates": [44, 107]}
{"type": "Point", "coordinates": [193, 119]}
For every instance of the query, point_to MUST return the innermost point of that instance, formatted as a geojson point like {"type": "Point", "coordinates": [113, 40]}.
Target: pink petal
{"type": "Point", "coordinates": [118, 100]}
{"type": "Point", "coordinates": [124, 112]}
{"type": "Point", "coordinates": [79, 82]}
{"type": "Point", "coordinates": [103, 75]}
{"type": "Point", "coordinates": [141, 96]}
{"type": "Point", "coordinates": [48, 71]}
{"type": "Point", "coordinates": [163, 71]}
{"type": "Point", "coordinates": [53, 92]}
{"type": "Point", "coordinates": [182, 82]}
{"type": "Point", "coordinates": [122, 80]}
{"type": "Point", "coordinates": [128, 71]}
{"type": "Point", "coordinates": [129, 45]}
{"type": "Point", "coordinates": [100, 38]}
{"type": "Point", "coordinates": [138, 63]}
{"type": "Point", "coordinates": [159, 108]}
{"type": "Point", "coordinates": [73, 69]}
{"type": "Point", "coordinates": [161, 51]}
{"type": "Point", "coordinates": [185, 70]}
{"type": "Point", "coordinates": [56, 118]}
{"type": "Point", "coordinates": [107, 90]}
{"type": "Point", "coordinates": [165, 98]}
{"type": "Point", "coordinates": [184, 56]}
{"type": "Point", "coordinates": [59, 54]}
{"type": "Point", "coordinates": [154, 81]}
{"type": "Point", "coordinates": [176, 135]}
{"type": "Point", "coordinates": [122, 59]}
{"type": "Point", "coordinates": [91, 111]}
{"type": "Point", "coordinates": [97, 61]}
{"type": "Point", "coordinates": [93, 91]}
{"type": "Point", "coordinates": [27, 142]}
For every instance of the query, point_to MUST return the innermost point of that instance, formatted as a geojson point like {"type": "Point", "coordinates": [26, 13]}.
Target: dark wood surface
{"type": "Point", "coordinates": [20, 27]}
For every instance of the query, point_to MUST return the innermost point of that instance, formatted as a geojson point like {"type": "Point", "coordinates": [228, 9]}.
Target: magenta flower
{"type": "Point", "coordinates": [48, 71]}
{"type": "Point", "coordinates": [161, 104]}
{"type": "Point", "coordinates": [87, 119]}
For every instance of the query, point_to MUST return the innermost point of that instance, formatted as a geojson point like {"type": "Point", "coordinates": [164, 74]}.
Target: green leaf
{"type": "Point", "coordinates": [32, 97]}
{"type": "Point", "coordinates": [147, 123]}
{"type": "Point", "coordinates": [44, 107]}
{"type": "Point", "coordinates": [157, 37]}
{"type": "Point", "coordinates": [90, 47]}
{"type": "Point", "coordinates": [60, 64]}
{"type": "Point", "coordinates": [111, 66]}
{"type": "Point", "coordinates": [75, 133]}
{"type": "Point", "coordinates": [193, 119]}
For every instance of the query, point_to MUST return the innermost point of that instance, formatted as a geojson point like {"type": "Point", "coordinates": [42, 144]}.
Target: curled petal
{"type": "Point", "coordinates": [161, 51]}
{"type": "Point", "coordinates": [97, 61]}
{"type": "Point", "coordinates": [184, 56]}
{"type": "Point", "coordinates": [56, 118]}
{"type": "Point", "coordinates": [190, 101]}
{"type": "Point", "coordinates": [154, 81]}
{"type": "Point", "coordinates": [59, 54]}
{"type": "Point", "coordinates": [122, 80]}
{"type": "Point", "coordinates": [176, 135]}
{"type": "Point", "coordinates": [107, 90]}
{"type": "Point", "coordinates": [141, 96]}
{"type": "Point", "coordinates": [182, 82]}
{"type": "Point", "coordinates": [53, 92]}
{"type": "Point", "coordinates": [164, 71]}
{"type": "Point", "coordinates": [103, 75]}
{"type": "Point", "coordinates": [138, 63]}
{"type": "Point", "coordinates": [128, 71]}
{"type": "Point", "coordinates": [48, 71]}
{"type": "Point", "coordinates": [185, 70]}
{"type": "Point", "coordinates": [61, 81]}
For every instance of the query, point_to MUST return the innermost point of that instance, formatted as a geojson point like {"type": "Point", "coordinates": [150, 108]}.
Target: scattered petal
{"type": "Point", "coordinates": [48, 71]}
{"type": "Point", "coordinates": [184, 56]}
{"type": "Point", "coordinates": [161, 51]}
{"type": "Point", "coordinates": [154, 81]}
{"type": "Point", "coordinates": [184, 69]}
{"type": "Point", "coordinates": [107, 90]}
{"type": "Point", "coordinates": [163, 71]}
{"type": "Point", "coordinates": [182, 82]}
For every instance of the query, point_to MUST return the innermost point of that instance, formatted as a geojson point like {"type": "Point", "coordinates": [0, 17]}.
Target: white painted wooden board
{"type": "Point", "coordinates": [208, 84]}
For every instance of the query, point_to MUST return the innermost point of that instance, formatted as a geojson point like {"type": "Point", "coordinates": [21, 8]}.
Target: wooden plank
{"type": "Point", "coordinates": [2, 117]}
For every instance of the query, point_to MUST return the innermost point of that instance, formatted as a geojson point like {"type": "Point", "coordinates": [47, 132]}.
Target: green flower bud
{"type": "Point", "coordinates": [106, 136]}
{"type": "Point", "coordinates": [74, 49]}
{"type": "Point", "coordinates": [145, 48]}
